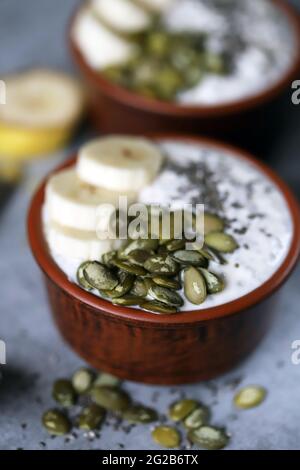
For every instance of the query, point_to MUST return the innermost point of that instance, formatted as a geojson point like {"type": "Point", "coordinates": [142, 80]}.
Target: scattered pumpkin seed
{"type": "Point", "coordinates": [214, 283]}
{"type": "Point", "coordinates": [108, 257]}
{"type": "Point", "coordinates": [166, 296]}
{"type": "Point", "coordinates": [110, 398]}
{"type": "Point", "coordinates": [139, 244]}
{"type": "Point", "coordinates": [63, 392]}
{"type": "Point", "coordinates": [179, 410]}
{"type": "Point", "coordinates": [82, 380]}
{"type": "Point", "coordinates": [126, 281]}
{"type": "Point", "coordinates": [164, 281]}
{"type": "Point", "coordinates": [158, 307]}
{"type": "Point", "coordinates": [194, 286]}
{"type": "Point", "coordinates": [129, 268]}
{"type": "Point", "coordinates": [209, 437]}
{"type": "Point", "coordinates": [175, 245]}
{"type": "Point", "coordinates": [91, 417]}
{"type": "Point", "coordinates": [212, 223]}
{"type": "Point", "coordinates": [56, 422]}
{"type": "Point", "coordinates": [81, 279]}
{"type": "Point", "coordinates": [221, 242]}
{"type": "Point", "coordinates": [162, 265]}
{"type": "Point", "coordinates": [190, 257]}
{"type": "Point", "coordinates": [105, 379]}
{"type": "Point", "coordinates": [139, 257]}
{"type": "Point", "coordinates": [99, 276]}
{"type": "Point", "coordinates": [166, 436]}
{"type": "Point", "coordinates": [199, 417]}
{"type": "Point", "coordinates": [250, 397]}
{"type": "Point", "coordinates": [139, 414]}
{"type": "Point", "coordinates": [139, 288]}
{"type": "Point", "coordinates": [128, 300]}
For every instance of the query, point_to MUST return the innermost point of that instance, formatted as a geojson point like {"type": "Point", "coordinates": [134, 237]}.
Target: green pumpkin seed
{"type": "Point", "coordinates": [168, 82]}
{"type": "Point", "coordinates": [167, 282]}
{"type": "Point", "coordinates": [158, 43]}
{"type": "Point", "coordinates": [128, 300]}
{"type": "Point", "coordinates": [82, 380]}
{"type": "Point", "coordinates": [212, 223]}
{"type": "Point", "coordinates": [108, 257]}
{"type": "Point", "coordinates": [175, 245]}
{"type": "Point", "coordinates": [162, 265]}
{"type": "Point", "coordinates": [190, 257]}
{"type": "Point", "coordinates": [221, 242]}
{"type": "Point", "coordinates": [194, 286]}
{"type": "Point", "coordinates": [63, 392]}
{"type": "Point", "coordinates": [139, 288]}
{"type": "Point", "coordinates": [166, 296]}
{"type": "Point", "coordinates": [126, 281]}
{"type": "Point", "coordinates": [166, 436]}
{"type": "Point", "coordinates": [105, 379]}
{"type": "Point", "coordinates": [199, 417]}
{"type": "Point", "coordinates": [99, 276]}
{"type": "Point", "coordinates": [80, 277]}
{"type": "Point", "coordinates": [56, 423]}
{"type": "Point", "coordinates": [139, 414]}
{"type": "Point", "coordinates": [158, 307]}
{"type": "Point", "coordinates": [110, 398]}
{"type": "Point", "coordinates": [130, 268]}
{"type": "Point", "coordinates": [214, 283]}
{"type": "Point", "coordinates": [138, 257]}
{"type": "Point", "coordinates": [179, 410]}
{"type": "Point", "coordinates": [215, 63]}
{"type": "Point", "coordinates": [139, 244]}
{"type": "Point", "coordinates": [250, 397]}
{"type": "Point", "coordinates": [91, 417]}
{"type": "Point", "coordinates": [209, 437]}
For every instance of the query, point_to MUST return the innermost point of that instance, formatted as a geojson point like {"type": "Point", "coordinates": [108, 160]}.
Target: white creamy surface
{"type": "Point", "coordinates": [267, 53]}
{"type": "Point", "coordinates": [250, 201]}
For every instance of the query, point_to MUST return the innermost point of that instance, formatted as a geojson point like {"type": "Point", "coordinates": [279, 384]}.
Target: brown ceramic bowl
{"type": "Point", "coordinates": [117, 110]}
{"type": "Point", "coordinates": [145, 347]}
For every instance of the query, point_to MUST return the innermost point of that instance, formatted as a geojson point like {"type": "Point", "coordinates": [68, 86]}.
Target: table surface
{"type": "Point", "coordinates": [36, 354]}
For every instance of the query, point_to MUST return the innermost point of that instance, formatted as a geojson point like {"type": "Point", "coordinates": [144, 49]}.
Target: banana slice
{"type": "Point", "coordinates": [100, 46]}
{"type": "Point", "coordinates": [119, 163]}
{"type": "Point", "coordinates": [122, 16]}
{"type": "Point", "coordinates": [80, 244]}
{"type": "Point", "coordinates": [42, 107]}
{"type": "Point", "coordinates": [157, 6]}
{"type": "Point", "coordinates": [75, 204]}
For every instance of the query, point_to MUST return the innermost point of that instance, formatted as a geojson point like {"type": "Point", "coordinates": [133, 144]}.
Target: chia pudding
{"type": "Point", "coordinates": [243, 48]}
{"type": "Point", "coordinates": [252, 206]}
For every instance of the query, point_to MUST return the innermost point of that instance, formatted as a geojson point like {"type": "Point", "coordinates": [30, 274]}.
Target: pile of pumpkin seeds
{"type": "Point", "coordinates": [149, 272]}
{"type": "Point", "coordinates": [167, 63]}
{"type": "Point", "coordinates": [100, 394]}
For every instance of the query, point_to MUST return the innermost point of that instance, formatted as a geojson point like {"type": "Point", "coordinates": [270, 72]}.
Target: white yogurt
{"type": "Point", "coordinates": [259, 218]}
{"type": "Point", "coordinates": [267, 53]}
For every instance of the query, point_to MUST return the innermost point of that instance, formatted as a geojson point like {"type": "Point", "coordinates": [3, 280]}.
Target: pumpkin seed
{"type": "Point", "coordinates": [209, 437]}
{"type": "Point", "coordinates": [108, 257]}
{"type": "Point", "coordinates": [82, 380]}
{"type": "Point", "coordinates": [128, 300]}
{"type": "Point", "coordinates": [56, 422]}
{"type": "Point", "coordinates": [139, 414]}
{"type": "Point", "coordinates": [194, 286]}
{"type": "Point", "coordinates": [221, 242]}
{"type": "Point", "coordinates": [99, 276]}
{"type": "Point", "coordinates": [190, 257]}
{"type": "Point", "coordinates": [158, 307]}
{"type": "Point", "coordinates": [250, 397]}
{"type": "Point", "coordinates": [110, 398]}
{"type": "Point", "coordinates": [138, 257]}
{"type": "Point", "coordinates": [162, 265]}
{"type": "Point", "coordinates": [126, 281]}
{"type": "Point", "coordinates": [129, 268]}
{"type": "Point", "coordinates": [91, 417]}
{"type": "Point", "coordinates": [139, 244]}
{"type": "Point", "coordinates": [80, 277]}
{"type": "Point", "coordinates": [214, 283]}
{"type": "Point", "coordinates": [197, 418]}
{"type": "Point", "coordinates": [158, 43]}
{"type": "Point", "coordinates": [167, 282]}
{"type": "Point", "coordinates": [63, 392]}
{"type": "Point", "coordinates": [105, 379]}
{"type": "Point", "coordinates": [175, 245]}
{"type": "Point", "coordinates": [165, 295]}
{"type": "Point", "coordinates": [166, 436]}
{"type": "Point", "coordinates": [139, 288]}
{"type": "Point", "coordinates": [212, 223]}
{"type": "Point", "coordinates": [179, 410]}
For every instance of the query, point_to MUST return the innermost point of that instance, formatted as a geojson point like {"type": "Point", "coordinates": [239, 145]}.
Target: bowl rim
{"type": "Point", "coordinates": [145, 104]}
{"type": "Point", "coordinates": [51, 270]}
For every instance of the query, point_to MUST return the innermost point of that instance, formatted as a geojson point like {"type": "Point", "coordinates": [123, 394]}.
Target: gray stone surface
{"type": "Point", "coordinates": [33, 32]}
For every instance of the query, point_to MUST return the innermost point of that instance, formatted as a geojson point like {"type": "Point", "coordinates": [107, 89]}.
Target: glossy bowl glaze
{"type": "Point", "coordinates": [114, 109]}
{"type": "Point", "coordinates": [145, 347]}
